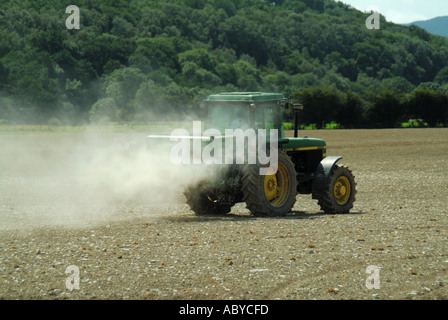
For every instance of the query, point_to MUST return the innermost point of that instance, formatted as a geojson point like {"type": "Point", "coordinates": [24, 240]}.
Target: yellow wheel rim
{"type": "Point", "coordinates": [276, 186]}
{"type": "Point", "coordinates": [342, 190]}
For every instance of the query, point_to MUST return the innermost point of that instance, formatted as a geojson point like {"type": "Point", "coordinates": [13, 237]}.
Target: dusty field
{"type": "Point", "coordinates": [148, 245]}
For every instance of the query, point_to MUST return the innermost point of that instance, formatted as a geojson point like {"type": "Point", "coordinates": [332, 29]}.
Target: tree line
{"type": "Point", "coordinates": [152, 60]}
{"type": "Point", "coordinates": [424, 106]}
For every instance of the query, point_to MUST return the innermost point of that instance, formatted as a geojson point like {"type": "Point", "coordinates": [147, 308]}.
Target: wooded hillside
{"type": "Point", "coordinates": [138, 60]}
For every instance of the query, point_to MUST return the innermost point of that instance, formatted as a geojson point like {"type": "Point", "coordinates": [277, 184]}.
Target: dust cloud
{"type": "Point", "coordinates": [78, 179]}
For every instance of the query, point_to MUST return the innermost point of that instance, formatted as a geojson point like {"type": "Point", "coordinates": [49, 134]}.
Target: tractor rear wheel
{"type": "Point", "coordinates": [270, 195]}
{"type": "Point", "coordinates": [340, 192]}
{"type": "Point", "coordinates": [203, 202]}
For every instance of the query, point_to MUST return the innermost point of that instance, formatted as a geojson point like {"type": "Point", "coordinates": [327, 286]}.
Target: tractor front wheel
{"type": "Point", "coordinates": [339, 194]}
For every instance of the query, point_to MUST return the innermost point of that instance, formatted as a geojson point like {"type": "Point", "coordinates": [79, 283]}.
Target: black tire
{"type": "Point", "coordinates": [203, 204]}
{"type": "Point", "coordinates": [340, 192]}
{"type": "Point", "coordinates": [270, 196]}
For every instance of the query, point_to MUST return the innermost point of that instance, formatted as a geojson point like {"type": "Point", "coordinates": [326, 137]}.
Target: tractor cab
{"type": "Point", "coordinates": [244, 110]}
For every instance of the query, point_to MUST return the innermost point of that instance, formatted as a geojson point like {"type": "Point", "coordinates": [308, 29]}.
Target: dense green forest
{"type": "Point", "coordinates": [146, 60]}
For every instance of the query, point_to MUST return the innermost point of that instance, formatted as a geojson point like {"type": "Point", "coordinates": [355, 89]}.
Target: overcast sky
{"type": "Point", "coordinates": [403, 11]}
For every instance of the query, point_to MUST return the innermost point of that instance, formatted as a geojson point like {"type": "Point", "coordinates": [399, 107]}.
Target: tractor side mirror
{"type": "Point", "coordinates": [297, 106]}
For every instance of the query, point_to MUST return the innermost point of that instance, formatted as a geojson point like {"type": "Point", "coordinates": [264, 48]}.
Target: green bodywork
{"type": "Point", "coordinates": [302, 144]}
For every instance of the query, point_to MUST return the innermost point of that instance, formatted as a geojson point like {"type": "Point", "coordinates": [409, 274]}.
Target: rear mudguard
{"type": "Point", "coordinates": [322, 175]}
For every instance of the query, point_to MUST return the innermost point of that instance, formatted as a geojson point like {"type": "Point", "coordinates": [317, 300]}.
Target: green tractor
{"type": "Point", "coordinates": [301, 166]}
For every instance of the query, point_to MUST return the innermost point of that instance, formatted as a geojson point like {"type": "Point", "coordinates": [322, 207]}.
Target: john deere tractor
{"type": "Point", "coordinates": [302, 165]}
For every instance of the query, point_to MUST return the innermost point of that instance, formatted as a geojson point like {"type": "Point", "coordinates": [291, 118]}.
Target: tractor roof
{"type": "Point", "coordinates": [247, 97]}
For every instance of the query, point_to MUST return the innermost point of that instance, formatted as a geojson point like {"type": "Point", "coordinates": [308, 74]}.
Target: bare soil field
{"type": "Point", "coordinates": [67, 200]}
